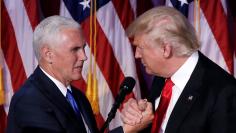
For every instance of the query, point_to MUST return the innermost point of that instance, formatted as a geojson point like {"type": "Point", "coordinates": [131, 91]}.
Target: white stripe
{"type": "Point", "coordinates": [23, 33]}
{"type": "Point", "coordinates": [133, 4]}
{"type": "Point", "coordinates": [121, 46]}
{"type": "Point", "coordinates": [168, 3]}
{"type": "Point", "coordinates": [235, 65]}
{"type": "Point", "coordinates": [8, 89]}
{"type": "Point", "coordinates": [224, 5]}
{"type": "Point", "coordinates": [191, 13]}
{"type": "Point", "coordinates": [64, 11]}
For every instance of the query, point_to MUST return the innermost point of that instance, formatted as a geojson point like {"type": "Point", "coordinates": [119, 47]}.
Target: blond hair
{"type": "Point", "coordinates": [166, 24]}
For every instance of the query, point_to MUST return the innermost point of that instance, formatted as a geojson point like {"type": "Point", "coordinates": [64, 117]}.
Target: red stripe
{"type": "Point", "coordinates": [50, 7]}
{"type": "Point", "coordinates": [144, 5]}
{"type": "Point", "coordinates": [100, 120]}
{"type": "Point", "coordinates": [32, 10]}
{"type": "Point", "coordinates": [10, 51]}
{"type": "Point", "coordinates": [3, 119]}
{"type": "Point", "coordinates": [234, 39]}
{"type": "Point", "coordinates": [124, 11]}
{"type": "Point", "coordinates": [217, 21]}
{"type": "Point", "coordinates": [80, 84]}
{"type": "Point", "coordinates": [106, 59]}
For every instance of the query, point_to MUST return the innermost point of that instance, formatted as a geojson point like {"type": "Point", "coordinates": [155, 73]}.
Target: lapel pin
{"type": "Point", "coordinates": [190, 98]}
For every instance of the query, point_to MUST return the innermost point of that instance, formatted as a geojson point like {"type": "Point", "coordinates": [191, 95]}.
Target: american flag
{"type": "Point", "coordinates": [114, 58]}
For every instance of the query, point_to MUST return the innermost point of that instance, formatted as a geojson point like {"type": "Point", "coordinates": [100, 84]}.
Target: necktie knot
{"type": "Point", "coordinates": [72, 101]}
{"type": "Point", "coordinates": [167, 90]}
{"type": "Point", "coordinates": [69, 94]}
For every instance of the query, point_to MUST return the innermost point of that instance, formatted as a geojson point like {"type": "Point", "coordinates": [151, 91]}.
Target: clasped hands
{"type": "Point", "coordinates": [136, 115]}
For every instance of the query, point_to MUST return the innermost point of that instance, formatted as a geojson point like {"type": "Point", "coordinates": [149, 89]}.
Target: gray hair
{"type": "Point", "coordinates": [47, 31]}
{"type": "Point", "coordinates": [173, 27]}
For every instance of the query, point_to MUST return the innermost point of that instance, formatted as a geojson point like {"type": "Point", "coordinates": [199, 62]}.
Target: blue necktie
{"type": "Point", "coordinates": [75, 107]}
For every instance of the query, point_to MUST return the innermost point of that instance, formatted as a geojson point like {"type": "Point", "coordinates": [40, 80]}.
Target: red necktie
{"type": "Point", "coordinates": [163, 105]}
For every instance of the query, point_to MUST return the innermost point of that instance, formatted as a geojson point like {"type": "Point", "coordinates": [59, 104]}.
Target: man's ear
{"type": "Point", "coordinates": [47, 54]}
{"type": "Point", "coordinates": [167, 50]}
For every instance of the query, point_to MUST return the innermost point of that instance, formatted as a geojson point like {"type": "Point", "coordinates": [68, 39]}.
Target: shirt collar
{"type": "Point", "coordinates": [182, 75]}
{"type": "Point", "coordinates": [59, 85]}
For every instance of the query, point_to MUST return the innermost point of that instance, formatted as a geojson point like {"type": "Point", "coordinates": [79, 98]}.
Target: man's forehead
{"type": "Point", "coordinates": [139, 38]}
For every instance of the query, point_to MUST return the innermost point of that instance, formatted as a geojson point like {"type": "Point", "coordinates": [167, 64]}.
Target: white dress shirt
{"type": "Point", "coordinates": [63, 90]}
{"type": "Point", "coordinates": [180, 79]}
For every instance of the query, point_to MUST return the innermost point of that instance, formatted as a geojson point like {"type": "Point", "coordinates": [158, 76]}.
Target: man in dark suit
{"type": "Point", "coordinates": [47, 103]}
{"type": "Point", "coordinates": [190, 93]}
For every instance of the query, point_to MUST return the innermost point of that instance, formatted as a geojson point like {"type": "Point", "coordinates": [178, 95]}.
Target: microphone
{"type": "Point", "coordinates": [126, 87]}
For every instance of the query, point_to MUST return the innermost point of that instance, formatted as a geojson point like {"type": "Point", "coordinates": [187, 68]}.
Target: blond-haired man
{"type": "Point", "coordinates": [190, 93]}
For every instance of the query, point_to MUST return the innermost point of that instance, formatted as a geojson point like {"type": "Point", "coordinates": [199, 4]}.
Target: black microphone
{"type": "Point", "coordinates": [126, 87]}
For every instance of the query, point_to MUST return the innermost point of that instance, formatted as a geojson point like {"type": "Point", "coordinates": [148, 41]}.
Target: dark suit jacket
{"type": "Point", "coordinates": [40, 107]}
{"type": "Point", "coordinates": [212, 108]}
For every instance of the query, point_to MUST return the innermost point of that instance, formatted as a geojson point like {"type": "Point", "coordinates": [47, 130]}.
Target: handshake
{"type": "Point", "coordinates": [136, 115]}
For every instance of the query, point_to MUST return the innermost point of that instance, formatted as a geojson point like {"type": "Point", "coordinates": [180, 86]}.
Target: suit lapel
{"type": "Point", "coordinates": [188, 97]}
{"type": "Point", "coordinates": [51, 92]}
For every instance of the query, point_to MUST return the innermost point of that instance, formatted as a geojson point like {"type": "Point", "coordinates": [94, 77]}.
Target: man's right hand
{"type": "Point", "coordinates": [136, 115]}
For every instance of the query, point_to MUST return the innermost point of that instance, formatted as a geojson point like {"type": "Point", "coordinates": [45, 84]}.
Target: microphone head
{"type": "Point", "coordinates": [127, 85]}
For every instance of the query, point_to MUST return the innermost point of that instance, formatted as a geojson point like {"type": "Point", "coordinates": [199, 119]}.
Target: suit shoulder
{"type": "Point", "coordinates": [25, 91]}
{"type": "Point", "coordinates": [215, 73]}
{"type": "Point", "coordinates": [28, 96]}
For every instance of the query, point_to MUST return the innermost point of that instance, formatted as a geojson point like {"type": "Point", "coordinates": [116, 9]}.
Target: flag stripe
{"type": "Point", "coordinates": [3, 120]}
{"type": "Point", "coordinates": [80, 84]}
{"type": "Point", "coordinates": [9, 47]}
{"type": "Point", "coordinates": [124, 11]}
{"type": "Point", "coordinates": [32, 11]}
{"type": "Point", "coordinates": [219, 28]}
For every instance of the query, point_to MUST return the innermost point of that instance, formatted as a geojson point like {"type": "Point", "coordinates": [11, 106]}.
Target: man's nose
{"type": "Point", "coordinates": [82, 55]}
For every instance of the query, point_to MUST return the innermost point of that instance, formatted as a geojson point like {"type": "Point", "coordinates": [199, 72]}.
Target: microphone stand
{"type": "Point", "coordinates": [106, 124]}
{"type": "Point", "coordinates": [112, 113]}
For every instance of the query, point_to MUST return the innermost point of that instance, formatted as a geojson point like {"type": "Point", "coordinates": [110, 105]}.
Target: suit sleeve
{"type": "Point", "coordinates": [117, 130]}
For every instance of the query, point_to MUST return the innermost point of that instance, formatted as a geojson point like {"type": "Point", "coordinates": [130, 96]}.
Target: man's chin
{"type": "Point", "coordinates": [148, 71]}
